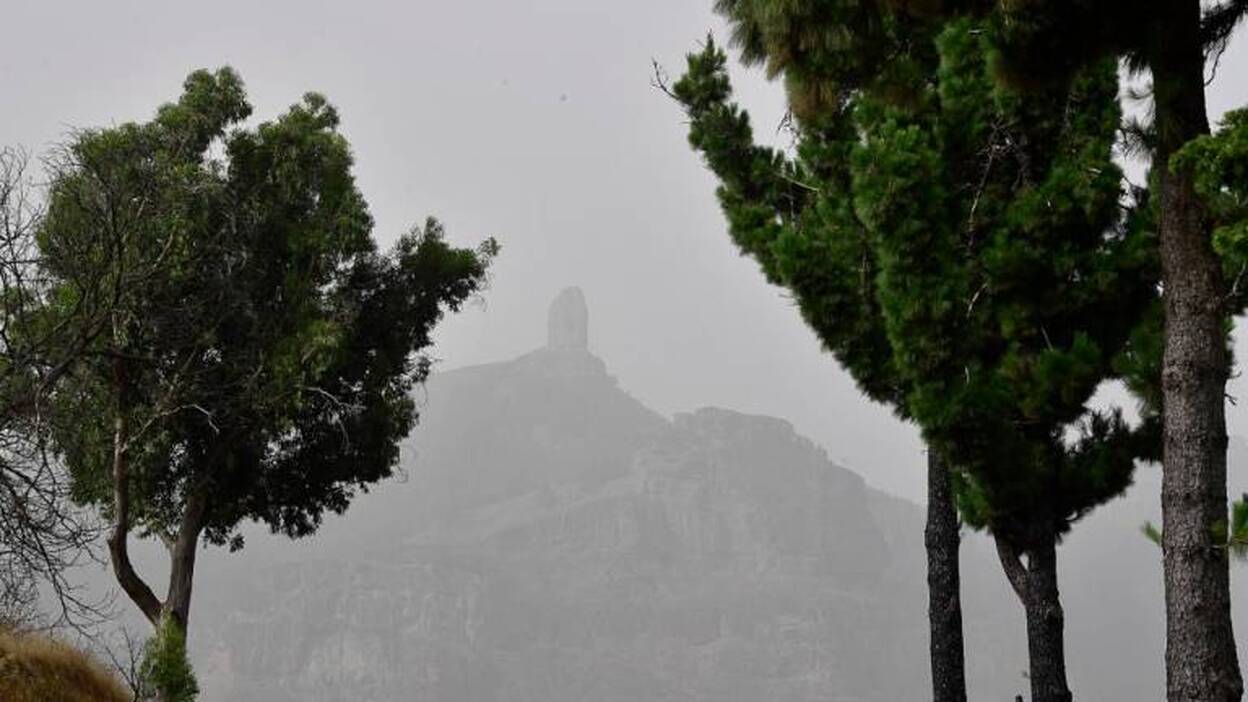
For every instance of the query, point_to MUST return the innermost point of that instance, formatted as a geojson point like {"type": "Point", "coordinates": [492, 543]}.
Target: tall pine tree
{"type": "Point", "coordinates": [962, 253]}
{"type": "Point", "coordinates": [1039, 42]}
{"type": "Point", "coordinates": [806, 237]}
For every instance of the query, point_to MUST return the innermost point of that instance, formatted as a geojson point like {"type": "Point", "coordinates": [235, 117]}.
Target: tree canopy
{"type": "Point", "coordinates": [1178, 43]}
{"type": "Point", "coordinates": [261, 368]}
{"type": "Point", "coordinates": [964, 251]}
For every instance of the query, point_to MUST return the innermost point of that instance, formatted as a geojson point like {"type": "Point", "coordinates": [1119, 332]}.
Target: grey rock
{"type": "Point", "coordinates": [567, 325]}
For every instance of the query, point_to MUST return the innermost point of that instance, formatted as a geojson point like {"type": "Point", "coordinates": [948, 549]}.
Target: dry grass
{"type": "Point", "coordinates": [34, 668]}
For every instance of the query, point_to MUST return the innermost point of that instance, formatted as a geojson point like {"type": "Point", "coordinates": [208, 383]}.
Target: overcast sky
{"type": "Point", "coordinates": [533, 121]}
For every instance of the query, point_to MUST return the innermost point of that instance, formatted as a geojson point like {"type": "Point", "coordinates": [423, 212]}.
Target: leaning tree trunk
{"type": "Point", "coordinates": [123, 569]}
{"type": "Point", "coordinates": [944, 601]}
{"type": "Point", "coordinates": [1201, 661]}
{"type": "Point", "coordinates": [171, 626]}
{"type": "Point", "coordinates": [182, 547]}
{"type": "Point", "coordinates": [1035, 583]}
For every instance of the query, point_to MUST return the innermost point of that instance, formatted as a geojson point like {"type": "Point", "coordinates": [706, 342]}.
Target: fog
{"type": "Point", "coordinates": [537, 122]}
{"type": "Point", "coordinates": [534, 122]}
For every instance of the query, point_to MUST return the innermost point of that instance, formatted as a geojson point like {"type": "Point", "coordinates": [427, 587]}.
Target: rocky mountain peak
{"type": "Point", "coordinates": [567, 324]}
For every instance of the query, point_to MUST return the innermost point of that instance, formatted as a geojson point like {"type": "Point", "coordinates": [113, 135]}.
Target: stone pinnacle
{"type": "Point", "coordinates": [567, 325]}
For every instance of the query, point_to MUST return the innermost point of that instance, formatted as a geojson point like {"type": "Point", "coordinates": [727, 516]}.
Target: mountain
{"type": "Point", "coordinates": [554, 540]}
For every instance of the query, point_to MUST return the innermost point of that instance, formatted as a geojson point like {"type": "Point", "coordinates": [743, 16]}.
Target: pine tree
{"type": "Point", "coordinates": [806, 237]}
{"type": "Point", "coordinates": [963, 254]}
{"type": "Point", "coordinates": [1039, 42]}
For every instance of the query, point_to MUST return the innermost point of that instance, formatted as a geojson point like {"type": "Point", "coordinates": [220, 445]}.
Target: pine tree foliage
{"type": "Point", "coordinates": [965, 254]}
{"type": "Point", "coordinates": [1179, 43]}
{"type": "Point", "coordinates": [1219, 164]}
{"type": "Point", "coordinates": [1040, 41]}
{"type": "Point", "coordinates": [968, 255]}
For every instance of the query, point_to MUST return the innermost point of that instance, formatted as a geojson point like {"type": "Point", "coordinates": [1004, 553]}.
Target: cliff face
{"type": "Point", "coordinates": [557, 541]}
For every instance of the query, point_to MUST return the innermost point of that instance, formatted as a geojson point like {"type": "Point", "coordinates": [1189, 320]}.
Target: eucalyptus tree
{"type": "Point", "coordinates": [260, 369]}
{"type": "Point", "coordinates": [964, 254]}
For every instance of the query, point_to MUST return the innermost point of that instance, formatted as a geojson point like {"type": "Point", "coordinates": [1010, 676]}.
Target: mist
{"type": "Point", "coordinates": [540, 124]}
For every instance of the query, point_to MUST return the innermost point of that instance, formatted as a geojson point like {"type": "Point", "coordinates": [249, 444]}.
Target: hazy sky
{"type": "Point", "coordinates": [531, 121]}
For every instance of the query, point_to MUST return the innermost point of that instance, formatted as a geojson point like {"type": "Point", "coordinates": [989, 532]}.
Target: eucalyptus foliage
{"type": "Point", "coordinates": [260, 368]}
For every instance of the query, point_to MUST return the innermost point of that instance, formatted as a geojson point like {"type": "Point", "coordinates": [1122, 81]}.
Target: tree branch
{"type": "Point", "coordinates": [1015, 572]}
{"type": "Point", "coordinates": [134, 586]}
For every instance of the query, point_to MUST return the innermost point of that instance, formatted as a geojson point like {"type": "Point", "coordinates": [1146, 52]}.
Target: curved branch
{"type": "Point", "coordinates": [135, 588]}
{"type": "Point", "coordinates": [1012, 564]}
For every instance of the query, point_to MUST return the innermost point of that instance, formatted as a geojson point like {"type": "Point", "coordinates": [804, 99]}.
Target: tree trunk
{"type": "Point", "coordinates": [1201, 661]}
{"type": "Point", "coordinates": [131, 583]}
{"type": "Point", "coordinates": [1046, 648]}
{"type": "Point", "coordinates": [944, 601]}
{"type": "Point", "coordinates": [182, 550]}
{"type": "Point", "coordinates": [182, 559]}
{"type": "Point", "coordinates": [182, 547]}
{"type": "Point", "coordinates": [1035, 583]}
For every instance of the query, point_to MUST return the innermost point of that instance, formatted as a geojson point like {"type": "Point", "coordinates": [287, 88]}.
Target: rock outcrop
{"type": "Point", "coordinates": [567, 325]}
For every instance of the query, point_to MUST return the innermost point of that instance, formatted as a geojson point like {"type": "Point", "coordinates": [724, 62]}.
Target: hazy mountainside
{"type": "Point", "coordinates": [556, 541]}
{"type": "Point", "coordinates": [552, 417]}
{"type": "Point", "coordinates": [693, 576]}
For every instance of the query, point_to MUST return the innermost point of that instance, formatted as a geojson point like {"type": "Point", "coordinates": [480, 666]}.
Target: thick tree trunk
{"type": "Point", "coordinates": [182, 560]}
{"type": "Point", "coordinates": [1035, 583]}
{"type": "Point", "coordinates": [182, 549]}
{"type": "Point", "coordinates": [944, 600]}
{"type": "Point", "coordinates": [1046, 646]}
{"type": "Point", "coordinates": [1201, 661]}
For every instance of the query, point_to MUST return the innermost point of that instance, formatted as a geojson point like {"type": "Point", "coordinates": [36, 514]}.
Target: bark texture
{"type": "Point", "coordinates": [1035, 583]}
{"type": "Point", "coordinates": [1201, 661]}
{"type": "Point", "coordinates": [944, 600]}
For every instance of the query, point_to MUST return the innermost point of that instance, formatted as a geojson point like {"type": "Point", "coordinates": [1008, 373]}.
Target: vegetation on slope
{"type": "Point", "coordinates": [37, 668]}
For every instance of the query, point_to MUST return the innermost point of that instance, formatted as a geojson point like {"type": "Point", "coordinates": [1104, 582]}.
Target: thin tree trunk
{"type": "Point", "coordinates": [1201, 661]}
{"type": "Point", "coordinates": [944, 601]}
{"type": "Point", "coordinates": [1035, 583]}
{"type": "Point", "coordinates": [131, 583]}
